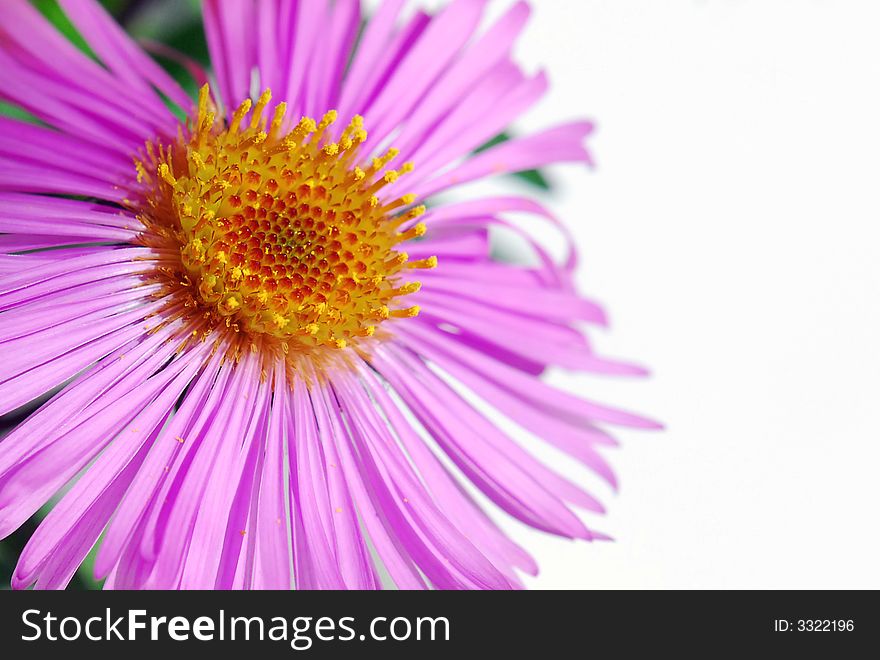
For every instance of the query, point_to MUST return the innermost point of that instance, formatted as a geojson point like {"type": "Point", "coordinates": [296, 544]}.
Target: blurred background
{"type": "Point", "coordinates": [731, 230]}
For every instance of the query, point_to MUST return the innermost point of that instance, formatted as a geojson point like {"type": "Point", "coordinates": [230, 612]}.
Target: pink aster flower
{"type": "Point", "coordinates": [253, 326]}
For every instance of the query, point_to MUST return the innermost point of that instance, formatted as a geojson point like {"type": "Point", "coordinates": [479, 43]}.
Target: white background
{"type": "Point", "coordinates": [731, 229]}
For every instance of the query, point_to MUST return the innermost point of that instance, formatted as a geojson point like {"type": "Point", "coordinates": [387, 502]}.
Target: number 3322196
{"type": "Point", "coordinates": [814, 625]}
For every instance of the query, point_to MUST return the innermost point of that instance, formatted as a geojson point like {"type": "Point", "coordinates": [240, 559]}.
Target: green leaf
{"type": "Point", "coordinates": [117, 7]}
{"type": "Point", "coordinates": [13, 111]}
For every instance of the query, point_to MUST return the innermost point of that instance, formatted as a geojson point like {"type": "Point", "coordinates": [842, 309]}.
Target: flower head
{"type": "Point", "coordinates": [279, 236]}
{"type": "Point", "coordinates": [255, 324]}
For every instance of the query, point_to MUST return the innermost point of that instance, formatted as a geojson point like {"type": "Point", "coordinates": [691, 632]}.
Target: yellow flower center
{"type": "Point", "coordinates": [281, 234]}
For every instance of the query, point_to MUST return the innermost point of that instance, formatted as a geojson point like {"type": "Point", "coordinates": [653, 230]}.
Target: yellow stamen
{"type": "Point", "coordinates": [281, 235]}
